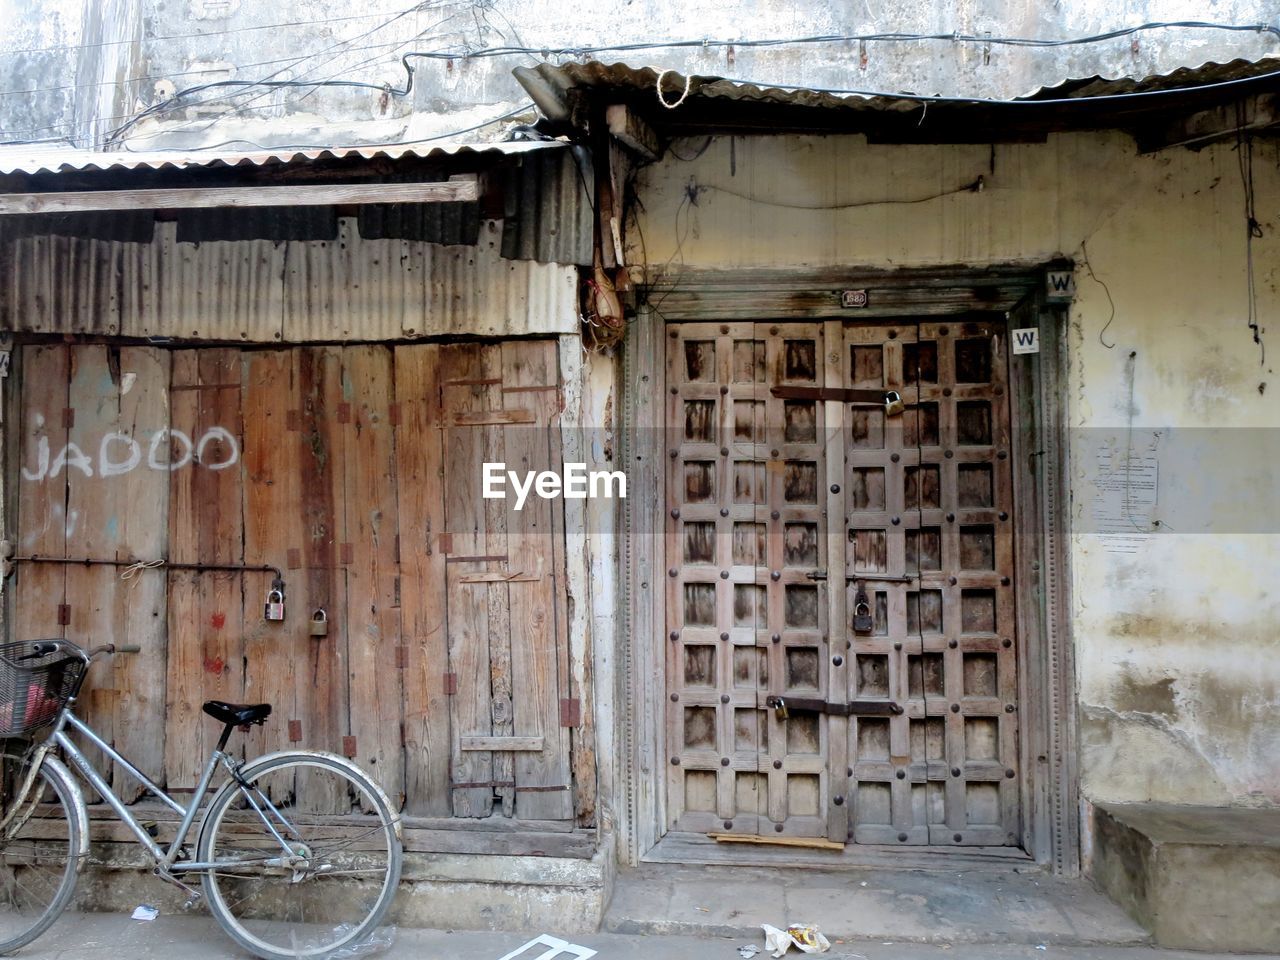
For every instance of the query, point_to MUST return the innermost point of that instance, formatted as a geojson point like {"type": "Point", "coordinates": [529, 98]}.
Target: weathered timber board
{"type": "Point", "coordinates": [419, 487]}
{"type": "Point", "coordinates": [373, 617]}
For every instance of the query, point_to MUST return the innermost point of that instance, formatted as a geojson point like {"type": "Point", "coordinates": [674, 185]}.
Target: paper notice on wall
{"type": "Point", "coordinates": [1125, 488]}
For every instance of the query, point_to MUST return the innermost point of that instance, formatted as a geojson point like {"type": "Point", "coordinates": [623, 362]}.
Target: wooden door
{"type": "Point", "coordinates": [762, 591]}
{"type": "Point", "coordinates": [930, 503]}
{"type": "Point", "coordinates": [488, 715]}
{"type": "Point", "coordinates": [746, 527]}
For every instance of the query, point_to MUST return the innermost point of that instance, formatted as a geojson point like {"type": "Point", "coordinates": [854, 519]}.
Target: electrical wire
{"type": "Point", "coordinates": [526, 107]}
{"type": "Point", "coordinates": [194, 36]}
{"type": "Point", "coordinates": [267, 83]}
{"type": "Point", "coordinates": [1253, 229]}
{"type": "Point", "coordinates": [975, 186]}
{"type": "Point", "coordinates": [1084, 255]}
{"type": "Point", "coordinates": [1022, 102]}
{"type": "Point", "coordinates": [581, 51]}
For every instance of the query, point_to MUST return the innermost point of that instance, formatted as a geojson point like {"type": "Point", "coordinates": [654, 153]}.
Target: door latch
{"type": "Point", "coordinates": [783, 707]}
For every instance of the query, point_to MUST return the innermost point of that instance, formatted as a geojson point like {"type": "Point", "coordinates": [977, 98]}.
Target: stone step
{"type": "Point", "coordinates": [974, 905]}
{"type": "Point", "coordinates": [1200, 878]}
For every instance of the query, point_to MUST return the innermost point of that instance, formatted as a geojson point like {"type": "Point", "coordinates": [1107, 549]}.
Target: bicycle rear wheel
{"type": "Point", "coordinates": [329, 891]}
{"type": "Point", "coordinates": [41, 849]}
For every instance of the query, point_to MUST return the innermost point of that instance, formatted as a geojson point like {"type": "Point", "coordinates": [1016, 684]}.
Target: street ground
{"type": "Point", "coordinates": [90, 936]}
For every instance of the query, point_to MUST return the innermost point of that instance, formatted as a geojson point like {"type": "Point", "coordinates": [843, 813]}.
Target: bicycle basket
{"type": "Point", "coordinates": [34, 688]}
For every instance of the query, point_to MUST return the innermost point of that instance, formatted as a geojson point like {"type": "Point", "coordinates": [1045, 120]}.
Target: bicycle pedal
{"type": "Point", "coordinates": [152, 828]}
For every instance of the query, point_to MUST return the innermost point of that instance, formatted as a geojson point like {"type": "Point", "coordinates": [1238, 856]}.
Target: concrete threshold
{"type": "Point", "coordinates": [977, 904]}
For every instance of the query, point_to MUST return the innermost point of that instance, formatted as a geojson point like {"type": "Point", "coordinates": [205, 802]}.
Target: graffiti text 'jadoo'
{"type": "Point", "coordinates": [120, 453]}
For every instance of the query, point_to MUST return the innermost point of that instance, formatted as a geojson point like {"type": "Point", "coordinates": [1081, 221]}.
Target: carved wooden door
{"type": "Point", "coordinates": [793, 494]}
{"type": "Point", "coordinates": [930, 534]}
{"type": "Point", "coordinates": [746, 527]}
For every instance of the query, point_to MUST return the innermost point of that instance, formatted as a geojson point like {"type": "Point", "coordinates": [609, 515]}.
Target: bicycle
{"type": "Point", "coordinates": [298, 853]}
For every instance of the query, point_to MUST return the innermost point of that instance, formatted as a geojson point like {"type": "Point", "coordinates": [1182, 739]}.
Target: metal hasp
{"type": "Point", "coordinates": [890, 400]}
{"type": "Point", "coordinates": [877, 577]}
{"type": "Point", "coordinates": [784, 706]}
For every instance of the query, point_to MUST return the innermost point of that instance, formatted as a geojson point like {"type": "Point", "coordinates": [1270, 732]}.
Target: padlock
{"type": "Point", "coordinates": [779, 707]}
{"type": "Point", "coordinates": [863, 622]}
{"type": "Point", "coordinates": [893, 404]}
{"type": "Point", "coordinates": [274, 609]}
{"type": "Point", "coordinates": [319, 625]}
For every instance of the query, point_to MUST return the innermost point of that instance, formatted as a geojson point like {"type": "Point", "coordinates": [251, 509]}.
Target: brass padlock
{"type": "Point", "coordinates": [779, 707]}
{"type": "Point", "coordinates": [893, 404]}
{"type": "Point", "coordinates": [319, 626]}
{"type": "Point", "coordinates": [274, 609]}
{"type": "Point", "coordinates": [863, 622]}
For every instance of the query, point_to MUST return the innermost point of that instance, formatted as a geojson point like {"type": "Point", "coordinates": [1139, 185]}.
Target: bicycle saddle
{"type": "Point", "coordinates": [239, 714]}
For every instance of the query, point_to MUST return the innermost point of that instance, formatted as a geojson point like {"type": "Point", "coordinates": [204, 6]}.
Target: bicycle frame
{"type": "Point", "coordinates": [166, 861]}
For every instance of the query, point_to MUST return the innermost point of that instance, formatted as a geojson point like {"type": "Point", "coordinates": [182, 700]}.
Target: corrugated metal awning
{"type": "Point", "coordinates": [40, 158]}
{"type": "Point", "coordinates": [699, 104]}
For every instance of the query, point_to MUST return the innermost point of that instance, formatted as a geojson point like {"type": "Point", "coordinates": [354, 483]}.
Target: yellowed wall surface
{"type": "Point", "coordinates": [1176, 624]}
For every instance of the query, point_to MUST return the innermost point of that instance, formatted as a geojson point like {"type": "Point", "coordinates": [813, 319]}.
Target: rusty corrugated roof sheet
{"type": "Point", "coordinates": [42, 157]}
{"type": "Point", "coordinates": [599, 75]}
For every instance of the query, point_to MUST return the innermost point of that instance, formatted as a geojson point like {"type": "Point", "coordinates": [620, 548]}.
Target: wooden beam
{"type": "Point", "coordinates": [627, 126]}
{"type": "Point", "coordinates": [455, 189]}
{"type": "Point", "coordinates": [812, 843]}
{"type": "Point", "coordinates": [1209, 126]}
{"type": "Point", "coordinates": [514, 744]}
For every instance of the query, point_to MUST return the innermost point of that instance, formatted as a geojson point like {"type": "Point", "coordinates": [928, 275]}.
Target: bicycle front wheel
{"type": "Point", "coordinates": [41, 847]}
{"type": "Point", "coordinates": [307, 857]}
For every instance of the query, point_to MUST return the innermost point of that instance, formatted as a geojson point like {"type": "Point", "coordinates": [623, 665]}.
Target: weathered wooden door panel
{"type": "Point", "coordinates": [87, 416]}
{"type": "Point", "coordinates": [930, 499]}
{"type": "Point", "coordinates": [744, 620]}
{"type": "Point", "coordinates": [505, 637]}
{"type": "Point", "coordinates": [334, 465]}
{"type": "Point", "coordinates": [925, 500]}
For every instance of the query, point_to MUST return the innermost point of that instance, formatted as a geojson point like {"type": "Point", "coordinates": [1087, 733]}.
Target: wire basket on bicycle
{"type": "Point", "coordinates": [37, 678]}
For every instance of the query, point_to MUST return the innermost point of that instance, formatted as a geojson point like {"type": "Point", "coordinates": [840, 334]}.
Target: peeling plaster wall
{"type": "Point", "coordinates": [176, 44]}
{"type": "Point", "coordinates": [1175, 624]}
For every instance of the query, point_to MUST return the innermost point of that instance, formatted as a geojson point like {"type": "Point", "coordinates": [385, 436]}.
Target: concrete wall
{"type": "Point", "coordinates": [135, 53]}
{"type": "Point", "coordinates": [1174, 606]}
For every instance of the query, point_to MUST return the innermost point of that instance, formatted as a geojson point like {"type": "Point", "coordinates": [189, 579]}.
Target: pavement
{"type": "Point", "coordinates": [983, 904]}
{"type": "Point", "coordinates": [90, 936]}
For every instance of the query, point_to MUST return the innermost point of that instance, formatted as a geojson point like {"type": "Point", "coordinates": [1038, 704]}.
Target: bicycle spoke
{"type": "Point", "coordinates": [301, 868]}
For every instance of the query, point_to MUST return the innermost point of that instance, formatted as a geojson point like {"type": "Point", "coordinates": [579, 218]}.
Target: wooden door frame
{"type": "Point", "coordinates": [1047, 696]}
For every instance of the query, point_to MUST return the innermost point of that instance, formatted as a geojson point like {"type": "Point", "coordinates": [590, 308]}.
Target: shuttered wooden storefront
{"type": "Point", "coordinates": [355, 470]}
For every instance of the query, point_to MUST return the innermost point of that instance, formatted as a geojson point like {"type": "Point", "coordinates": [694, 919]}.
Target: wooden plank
{"type": "Point", "coordinates": [373, 619]}
{"type": "Point", "coordinates": [537, 629]}
{"type": "Point", "coordinates": [273, 651]}
{"type": "Point", "coordinates": [185, 684]}
{"type": "Point", "coordinates": [423, 591]}
{"type": "Point", "coordinates": [320, 451]}
{"type": "Point", "coordinates": [581, 591]}
{"type": "Point", "coordinates": [467, 523]}
{"type": "Point", "coordinates": [93, 519]}
{"type": "Point", "coordinates": [481, 418]}
{"type": "Point", "coordinates": [498, 576]}
{"type": "Point", "coordinates": [811, 843]}
{"type": "Point", "coordinates": [40, 588]}
{"type": "Point", "coordinates": [498, 597]}
{"type": "Point", "coordinates": [643, 512]}
{"type": "Point", "coordinates": [143, 501]}
{"type": "Point", "coordinates": [512, 744]}
{"type": "Point", "coordinates": [625, 124]}
{"type": "Point", "coordinates": [831, 430]}
{"type": "Point", "coordinates": [456, 189]}
{"type": "Point", "coordinates": [206, 526]}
